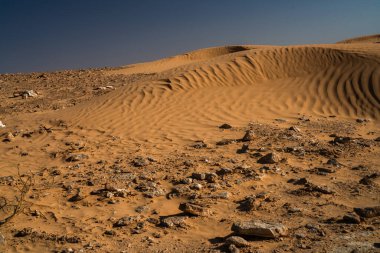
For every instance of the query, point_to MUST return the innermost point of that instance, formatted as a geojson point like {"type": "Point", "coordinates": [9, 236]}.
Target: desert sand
{"type": "Point", "coordinates": [180, 154]}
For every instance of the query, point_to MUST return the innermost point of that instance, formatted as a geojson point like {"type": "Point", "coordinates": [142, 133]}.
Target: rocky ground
{"type": "Point", "coordinates": [294, 185]}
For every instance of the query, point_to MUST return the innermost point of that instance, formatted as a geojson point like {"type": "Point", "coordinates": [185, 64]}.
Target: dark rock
{"type": "Point", "coordinates": [351, 218]}
{"type": "Point", "coordinates": [368, 180]}
{"type": "Point", "coordinates": [269, 158]}
{"type": "Point", "coordinates": [224, 171]}
{"type": "Point", "coordinates": [140, 162]}
{"type": "Point", "coordinates": [248, 136]}
{"type": "Point", "coordinates": [211, 177]}
{"type": "Point", "coordinates": [225, 142]}
{"type": "Point", "coordinates": [199, 145]}
{"type": "Point", "coordinates": [77, 197]}
{"type": "Point", "coordinates": [260, 229]}
{"type": "Point", "coordinates": [333, 162]}
{"type": "Point", "coordinates": [342, 140]}
{"type": "Point", "coordinates": [244, 149]}
{"type": "Point", "coordinates": [199, 176]}
{"type": "Point", "coordinates": [24, 232]}
{"type": "Point", "coordinates": [368, 212]}
{"type": "Point", "coordinates": [225, 126]}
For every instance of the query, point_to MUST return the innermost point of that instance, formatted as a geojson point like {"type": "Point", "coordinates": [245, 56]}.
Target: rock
{"type": "Point", "coordinates": [2, 240]}
{"type": "Point", "coordinates": [248, 204]}
{"type": "Point", "coordinates": [2, 124]}
{"type": "Point", "coordinates": [351, 218]}
{"type": "Point", "coordinates": [225, 142]}
{"type": "Point", "coordinates": [126, 220]}
{"type": "Point", "coordinates": [140, 162]}
{"type": "Point", "coordinates": [233, 249]}
{"type": "Point", "coordinates": [317, 188]}
{"type": "Point", "coordinates": [269, 158]}
{"type": "Point", "coordinates": [244, 149]}
{"type": "Point", "coordinates": [24, 232]}
{"type": "Point", "coordinates": [362, 120]}
{"type": "Point", "coordinates": [76, 157]}
{"type": "Point", "coordinates": [196, 187]}
{"type": "Point", "coordinates": [342, 140]}
{"type": "Point", "coordinates": [377, 139]}
{"type": "Point", "coordinates": [225, 126]}
{"type": "Point", "coordinates": [194, 209]}
{"type": "Point", "coordinates": [295, 129]}
{"type": "Point", "coordinates": [324, 170]}
{"type": "Point", "coordinates": [368, 212]}
{"type": "Point", "coordinates": [8, 137]}
{"type": "Point", "coordinates": [199, 176]}
{"type": "Point", "coordinates": [77, 197]}
{"type": "Point", "coordinates": [224, 171]}
{"type": "Point", "coordinates": [174, 221]}
{"type": "Point", "coordinates": [248, 136]}
{"type": "Point", "coordinates": [260, 229]}
{"type": "Point", "coordinates": [368, 180]}
{"type": "Point", "coordinates": [25, 94]}
{"type": "Point", "coordinates": [333, 162]}
{"type": "Point", "coordinates": [237, 241]}
{"type": "Point", "coordinates": [220, 195]}
{"type": "Point", "coordinates": [211, 177]}
{"type": "Point", "coordinates": [199, 145]}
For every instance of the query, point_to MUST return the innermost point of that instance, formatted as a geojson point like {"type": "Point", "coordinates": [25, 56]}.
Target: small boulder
{"type": "Point", "coordinates": [76, 157]}
{"type": "Point", "coordinates": [269, 158]}
{"type": "Point", "coordinates": [260, 229]}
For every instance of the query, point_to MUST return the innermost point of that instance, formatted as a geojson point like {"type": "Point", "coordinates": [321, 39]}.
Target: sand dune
{"type": "Point", "coordinates": [196, 91]}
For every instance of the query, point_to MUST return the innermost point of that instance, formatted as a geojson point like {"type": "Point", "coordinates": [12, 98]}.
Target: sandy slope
{"type": "Point", "coordinates": [198, 90]}
{"type": "Point", "coordinates": [136, 159]}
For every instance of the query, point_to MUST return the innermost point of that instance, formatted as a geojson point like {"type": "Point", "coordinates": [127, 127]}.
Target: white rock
{"type": "Point", "coordinates": [1, 124]}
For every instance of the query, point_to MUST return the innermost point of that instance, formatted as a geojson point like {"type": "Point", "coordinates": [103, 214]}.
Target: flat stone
{"type": "Point", "coordinates": [194, 209]}
{"type": "Point", "coordinates": [260, 229]}
{"type": "Point", "coordinates": [174, 221]}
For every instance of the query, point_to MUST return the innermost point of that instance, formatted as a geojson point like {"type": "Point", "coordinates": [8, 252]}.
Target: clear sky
{"type": "Point", "coordinates": [47, 35]}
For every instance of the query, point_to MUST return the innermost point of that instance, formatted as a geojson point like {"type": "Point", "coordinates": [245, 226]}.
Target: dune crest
{"type": "Point", "coordinates": [193, 92]}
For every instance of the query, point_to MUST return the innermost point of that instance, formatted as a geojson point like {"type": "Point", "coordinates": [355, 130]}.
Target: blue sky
{"type": "Point", "coordinates": [48, 35]}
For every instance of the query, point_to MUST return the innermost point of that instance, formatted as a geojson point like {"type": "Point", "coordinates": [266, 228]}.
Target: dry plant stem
{"type": "Point", "coordinates": [19, 200]}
